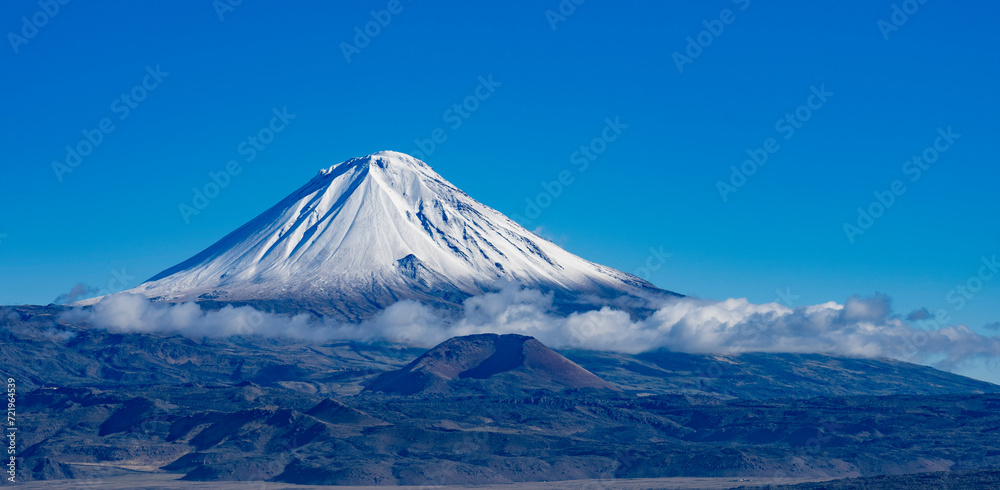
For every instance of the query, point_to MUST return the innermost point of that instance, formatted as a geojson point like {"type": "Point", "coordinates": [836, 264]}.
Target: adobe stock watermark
{"type": "Point", "coordinates": [363, 36]}
{"type": "Point", "coordinates": [825, 433]}
{"type": "Point", "coordinates": [123, 106]}
{"type": "Point", "coordinates": [786, 297]}
{"type": "Point", "coordinates": [900, 16]}
{"type": "Point", "coordinates": [580, 159]}
{"type": "Point", "coordinates": [655, 261]}
{"type": "Point", "coordinates": [223, 7]}
{"type": "Point", "coordinates": [31, 26]}
{"type": "Point", "coordinates": [958, 297]}
{"type": "Point", "coordinates": [786, 127]}
{"type": "Point", "coordinates": [12, 432]}
{"type": "Point", "coordinates": [914, 168]}
{"type": "Point", "coordinates": [248, 148]}
{"type": "Point", "coordinates": [562, 12]}
{"type": "Point", "coordinates": [965, 291]}
{"type": "Point", "coordinates": [456, 116]}
{"type": "Point", "coordinates": [120, 280]}
{"type": "Point", "coordinates": [250, 324]}
{"type": "Point", "coordinates": [714, 28]}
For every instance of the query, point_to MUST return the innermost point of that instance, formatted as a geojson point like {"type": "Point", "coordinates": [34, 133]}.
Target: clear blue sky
{"type": "Point", "coordinates": [654, 186]}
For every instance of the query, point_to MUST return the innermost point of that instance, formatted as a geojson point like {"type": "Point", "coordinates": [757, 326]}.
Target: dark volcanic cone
{"type": "Point", "coordinates": [491, 363]}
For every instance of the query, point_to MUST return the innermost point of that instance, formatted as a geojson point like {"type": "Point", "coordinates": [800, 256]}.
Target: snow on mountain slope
{"type": "Point", "coordinates": [374, 230]}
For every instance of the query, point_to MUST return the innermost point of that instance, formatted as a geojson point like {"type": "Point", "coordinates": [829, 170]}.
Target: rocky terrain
{"type": "Point", "coordinates": [484, 409]}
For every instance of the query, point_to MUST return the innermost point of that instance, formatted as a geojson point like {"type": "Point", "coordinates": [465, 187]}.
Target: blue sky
{"type": "Point", "coordinates": [557, 79]}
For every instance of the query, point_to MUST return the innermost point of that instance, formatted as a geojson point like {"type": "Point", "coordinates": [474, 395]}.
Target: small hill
{"type": "Point", "coordinates": [488, 363]}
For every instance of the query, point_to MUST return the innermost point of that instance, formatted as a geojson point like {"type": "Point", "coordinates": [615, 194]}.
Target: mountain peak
{"type": "Point", "coordinates": [382, 159]}
{"type": "Point", "coordinates": [374, 230]}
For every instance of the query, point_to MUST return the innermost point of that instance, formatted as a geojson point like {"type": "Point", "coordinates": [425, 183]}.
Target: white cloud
{"type": "Point", "coordinates": [861, 327]}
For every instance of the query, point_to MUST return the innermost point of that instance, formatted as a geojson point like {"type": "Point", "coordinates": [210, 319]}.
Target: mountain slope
{"type": "Point", "coordinates": [374, 230]}
{"type": "Point", "coordinates": [253, 408]}
{"type": "Point", "coordinates": [771, 375]}
{"type": "Point", "coordinates": [488, 363]}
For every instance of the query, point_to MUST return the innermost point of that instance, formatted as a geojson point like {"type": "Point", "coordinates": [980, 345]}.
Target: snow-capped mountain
{"type": "Point", "coordinates": [374, 230]}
